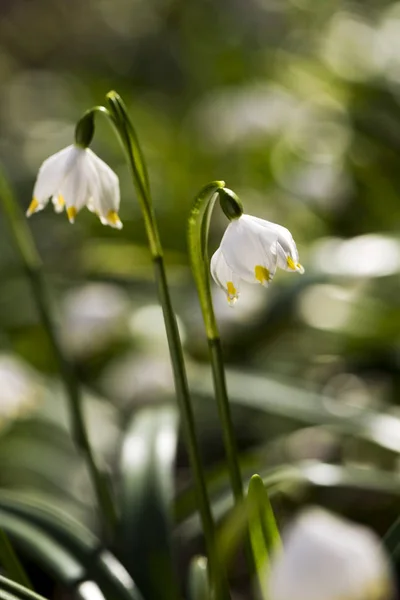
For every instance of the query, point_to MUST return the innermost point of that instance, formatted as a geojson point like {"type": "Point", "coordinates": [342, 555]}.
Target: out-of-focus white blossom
{"type": "Point", "coordinates": [20, 390]}
{"type": "Point", "coordinates": [328, 558]}
{"type": "Point", "coordinates": [73, 178]}
{"type": "Point", "coordinates": [252, 249]}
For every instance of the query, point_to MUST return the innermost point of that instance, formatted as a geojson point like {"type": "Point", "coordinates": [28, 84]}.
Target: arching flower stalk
{"type": "Point", "coordinates": [76, 177]}
{"type": "Point", "coordinates": [250, 250]}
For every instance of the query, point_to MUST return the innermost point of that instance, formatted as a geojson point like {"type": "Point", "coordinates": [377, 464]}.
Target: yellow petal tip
{"type": "Point", "coordinates": [294, 266]}
{"type": "Point", "coordinates": [232, 293]}
{"type": "Point", "coordinates": [113, 219]}
{"type": "Point", "coordinates": [33, 207]}
{"type": "Point", "coordinates": [71, 213]}
{"type": "Point", "coordinates": [262, 274]}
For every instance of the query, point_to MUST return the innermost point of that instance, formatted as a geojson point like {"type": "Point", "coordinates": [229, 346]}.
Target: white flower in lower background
{"type": "Point", "coordinates": [328, 558]}
{"type": "Point", "coordinates": [252, 249]}
{"type": "Point", "coordinates": [75, 177]}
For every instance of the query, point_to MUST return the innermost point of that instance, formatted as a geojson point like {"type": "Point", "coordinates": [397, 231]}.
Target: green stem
{"type": "Point", "coordinates": [127, 135]}
{"type": "Point", "coordinates": [228, 432]}
{"type": "Point", "coordinates": [198, 228]}
{"type": "Point", "coordinates": [199, 222]}
{"type": "Point", "coordinates": [33, 269]}
{"type": "Point", "coordinates": [11, 563]}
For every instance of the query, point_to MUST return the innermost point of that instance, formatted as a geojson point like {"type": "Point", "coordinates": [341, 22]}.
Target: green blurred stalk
{"type": "Point", "coordinates": [33, 269]}
{"type": "Point", "coordinates": [10, 561]}
{"type": "Point", "coordinates": [126, 132]}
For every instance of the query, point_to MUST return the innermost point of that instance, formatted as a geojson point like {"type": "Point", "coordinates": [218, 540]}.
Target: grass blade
{"type": "Point", "coordinates": [264, 534]}
{"type": "Point", "coordinates": [11, 563]}
{"type": "Point", "coordinates": [147, 463]}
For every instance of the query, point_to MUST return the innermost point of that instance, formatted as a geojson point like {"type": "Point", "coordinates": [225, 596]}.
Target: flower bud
{"type": "Point", "coordinates": [230, 203]}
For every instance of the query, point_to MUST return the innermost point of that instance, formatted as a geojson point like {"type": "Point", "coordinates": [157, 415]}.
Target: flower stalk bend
{"type": "Point", "coordinates": [199, 222]}
{"type": "Point", "coordinates": [128, 138]}
{"type": "Point", "coordinates": [33, 269]}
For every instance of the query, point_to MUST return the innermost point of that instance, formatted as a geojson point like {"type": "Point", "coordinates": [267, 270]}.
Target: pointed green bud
{"type": "Point", "coordinates": [84, 130]}
{"type": "Point", "coordinates": [230, 203]}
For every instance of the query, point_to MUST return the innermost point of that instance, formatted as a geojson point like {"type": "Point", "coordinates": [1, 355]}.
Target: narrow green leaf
{"type": "Point", "coordinates": [199, 587]}
{"type": "Point", "coordinates": [147, 486]}
{"type": "Point", "coordinates": [391, 540]}
{"type": "Point", "coordinates": [11, 563]}
{"type": "Point", "coordinates": [15, 590]}
{"type": "Point", "coordinates": [264, 534]}
{"type": "Point", "coordinates": [42, 549]}
{"type": "Point", "coordinates": [88, 590]}
{"type": "Point", "coordinates": [102, 567]}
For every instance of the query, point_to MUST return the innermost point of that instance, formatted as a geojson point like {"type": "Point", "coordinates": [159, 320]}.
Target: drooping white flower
{"type": "Point", "coordinates": [252, 249]}
{"type": "Point", "coordinates": [73, 178]}
{"type": "Point", "coordinates": [328, 558]}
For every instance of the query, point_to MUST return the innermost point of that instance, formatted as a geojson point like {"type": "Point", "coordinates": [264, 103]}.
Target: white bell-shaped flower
{"type": "Point", "coordinates": [75, 177]}
{"type": "Point", "coordinates": [328, 558]}
{"type": "Point", "coordinates": [251, 249]}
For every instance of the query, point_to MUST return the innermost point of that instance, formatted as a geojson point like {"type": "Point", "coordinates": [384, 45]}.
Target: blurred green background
{"type": "Point", "coordinates": [296, 105]}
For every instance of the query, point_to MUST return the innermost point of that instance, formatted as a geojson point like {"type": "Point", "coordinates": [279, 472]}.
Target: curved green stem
{"type": "Point", "coordinates": [121, 121]}
{"type": "Point", "coordinates": [33, 269]}
{"type": "Point", "coordinates": [199, 223]}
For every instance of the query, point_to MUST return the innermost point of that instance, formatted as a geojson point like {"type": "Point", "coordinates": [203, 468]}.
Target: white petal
{"type": "Point", "coordinates": [247, 246]}
{"type": "Point", "coordinates": [105, 192]}
{"type": "Point", "coordinates": [288, 256]}
{"type": "Point", "coordinates": [328, 558]}
{"type": "Point", "coordinates": [224, 276]}
{"type": "Point", "coordinates": [52, 172]}
{"type": "Point", "coordinates": [75, 188]}
{"type": "Point", "coordinates": [58, 203]}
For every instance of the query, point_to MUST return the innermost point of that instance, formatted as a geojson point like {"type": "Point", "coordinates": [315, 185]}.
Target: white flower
{"type": "Point", "coordinates": [251, 249]}
{"type": "Point", "coordinates": [328, 558]}
{"type": "Point", "coordinates": [75, 177]}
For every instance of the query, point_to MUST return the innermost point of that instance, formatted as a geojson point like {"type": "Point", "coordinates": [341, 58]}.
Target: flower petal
{"type": "Point", "coordinates": [287, 253]}
{"type": "Point", "coordinates": [106, 195]}
{"type": "Point", "coordinates": [331, 558]}
{"type": "Point", "coordinates": [224, 276]}
{"type": "Point", "coordinates": [246, 246]}
{"type": "Point", "coordinates": [75, 188]}
{"type": "Point", "coordinates": [52, 172]}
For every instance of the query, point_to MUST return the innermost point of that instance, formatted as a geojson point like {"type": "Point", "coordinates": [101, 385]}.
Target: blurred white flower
{"type": "Point", "coordinates": [75, 177]}
{"type": "Point", "coordinates": [20, 390]}
{"type": "Point", "coordinates": [328, 558]}
{"type": "Point", "coordinates": [94, 316]}
{"type": "Point", "coordinates": [251, 249]}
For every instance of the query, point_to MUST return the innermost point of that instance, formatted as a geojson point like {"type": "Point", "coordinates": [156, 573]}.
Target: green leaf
{"type": "Point", "coordinates": [12, 589]}
{"type": "Point", "coordinates": [264, 534]}
{"type": "Point", "coordinates": [88, 590]}
{"type": "Point", "coordinates": [11, 563]}
{"type": "Point", "coordinates": [57, 561]}
{"type": "Point", "coordinates": [391, 540]}
{"type": "Point", "coordinates": [100, 565]}
{"type": "Point", "coordinates": [199, 587]}
{"type": "Point", "coordinates": [147, 486]}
